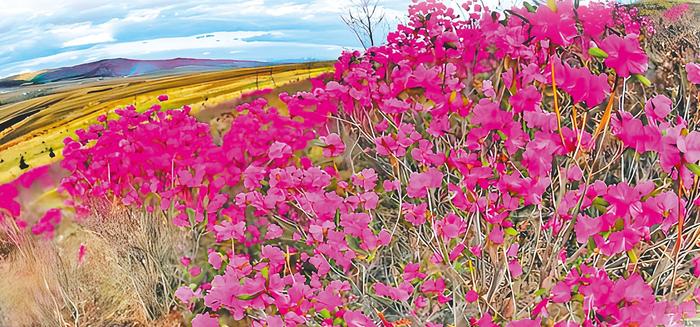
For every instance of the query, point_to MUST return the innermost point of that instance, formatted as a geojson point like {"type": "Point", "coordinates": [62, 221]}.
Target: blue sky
{"type": "Point", "coordinates": [40, 34]}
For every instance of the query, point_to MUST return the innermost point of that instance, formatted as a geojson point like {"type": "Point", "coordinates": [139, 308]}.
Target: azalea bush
{"type": "Point", "coordinates": [480, 168]}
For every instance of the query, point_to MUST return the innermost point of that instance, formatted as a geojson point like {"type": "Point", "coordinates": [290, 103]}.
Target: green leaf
{"type": "Point", "coordinates": [642, 79]}
{"type": "Point", "coordinates": [511, 231]}
{"type": "Point", "coordinates": [502, 135]}
{"type": "Point", "coordinates": [325, 314]}
{"type": "Point", "coordinates": [597, 52]}
{"type": "Point", "coordinates": [633, 256]}
{"type": "Point", "coordinates": [338, 321]}
{"type": "Point", "coordinates": [317, 143]}
{"type": "Point", "coordinates": [265, 272]}
{"type": "Point", "coordinates": [247, 297]}
{"type": "Point", "coordinates": [529, 7]}
{"type": "Point", "coordinates": [591, 245]}
{"type": "Point", "coordinates": [540, 292]}
{"type": "Point", "coordinates": [600, 204]}
{"type": "Point", "coordinates": [694, 168]}
{"type": "Point", "coordinates": [450, 45]}
{"type": "Point", "coordinates": [619, 225]}
{"type": "Point", "coordinates": [484, 162]}
{"type": "Point", "coordinates": [190, 213]}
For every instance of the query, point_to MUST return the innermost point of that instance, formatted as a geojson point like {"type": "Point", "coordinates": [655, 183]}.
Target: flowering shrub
{"type": "Point", "coordinates": [480, 168]}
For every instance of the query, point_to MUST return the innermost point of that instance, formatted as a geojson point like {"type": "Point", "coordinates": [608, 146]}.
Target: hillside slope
{"type": "Point", "coordinates": [32, 130]}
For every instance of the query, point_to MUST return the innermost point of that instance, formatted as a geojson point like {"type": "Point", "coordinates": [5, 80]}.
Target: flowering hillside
{"type": "Point", "coordinates": [480, 168]}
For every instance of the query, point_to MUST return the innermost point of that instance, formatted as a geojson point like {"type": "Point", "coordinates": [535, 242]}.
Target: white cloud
{"type": "Point", "coordinates": [142, 15]}
{"type": "Point", "coordinates": [89, 39]}
{"type": "Point", "coordinates": [217, 44]}
{"type": "Point", "coordinates": [88, 33]}
{"type": "Point", "coordinates": [37, 34]}
{"type": "Point", "coordinates": [83, 33]}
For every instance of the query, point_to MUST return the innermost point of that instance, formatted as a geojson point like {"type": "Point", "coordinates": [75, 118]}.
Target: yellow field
{"type": "Point", "coordinates": [77, 105]}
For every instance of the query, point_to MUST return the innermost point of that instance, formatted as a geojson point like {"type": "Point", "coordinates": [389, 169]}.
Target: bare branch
{"type": "Point", "coordinates": [365, 19]}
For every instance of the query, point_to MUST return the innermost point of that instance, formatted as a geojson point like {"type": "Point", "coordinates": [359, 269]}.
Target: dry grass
{"type": "Point", "coordinates": [127, 278]}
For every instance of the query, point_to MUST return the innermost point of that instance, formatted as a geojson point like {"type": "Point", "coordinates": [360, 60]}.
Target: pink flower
{"type": "Point", "coordinates": [412, 271]}
{"type": "Point", "coordinates": [486, 321]}
{"type": "Point", "coordinates": [496, 235]}
{"type": "Point", "coordinates": [595, 18]}
{"type": "Point", "coordinates": [657, 108]}
{"type": "Point", "coordinates": [558, 27]}
{"type": "Point", "coordinates": [48, 222]}
{"type": "Point", "coordinates": [252, 176]}
{"type": "Point", "coordinates": [356, 319]}
{"type": "Point", "coordinates": [625, 56]}
{"type": "Point", "coordinates": [561, 292]}
{"type": "Point", "coordinates": [273, 232]}
{"type": "Point", "coordinates": [586, 87]}
{"type": "Point", "coordinates": [163, 97]}
{"type": "Point", "coordinates": [433, 286]}
{"type": "Point", "coordinates": [185, 294]}
{"type": "Point", "coordinates": [471, 296]}
{"type": "Point", "coordinates": [690, 146]}
{"type": "Point", "coordinates": [450, 227]}
{"type": "Point", "coordinates": [515, 269]}
{"type": "Point", "coordinates": [420, 183]}
{"type": "Point", "coordinates": [279, 150]}
{"type": "Point", "coordinates": [525, 323]}
{"type": "Point", "coordinates": [367, 179]}
{"type": "Point", "coordinates": [274, 321]}
{"type": "Point", "coordinates": [415, 214]}
{"type": "Point", "coordinates": [215, 260]}
{"type": "Point", "coordinates": [395, 293]}
{"type": "Point", "coordinates": [205, 320]}
{"type": "Point", "coordinates": [696, 267]}
{"type": "Point", "coordinates": [333, 145]}
{"type": "Point", "coordinates": [633, 133]}
{"type": "Point", "coordinates": [391, 185]}
{"type": "Point", "coordinates": [228, 230]}
{"type": "Point", "coordinates": [581, 84]}
{"type": "Point", "coordinates": [586, 227]}
{"type": "Point", "coordinates": [693, 71]}
{"type": "Point", "coordinates": [527, 99]}
{"type": "Point", "coordinates": [81, 253]}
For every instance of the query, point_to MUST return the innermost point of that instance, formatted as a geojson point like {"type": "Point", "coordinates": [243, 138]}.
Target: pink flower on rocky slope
{"type": "Point", "coordinates": [625, 56]}
{"type": "Point", "coordinates": [420, 183]}
{"type": "Point", "coordinates": [693, 71]}
{"type": "Point", "coordinates": [205, 320]}
{"type": "Point", "coordinates": [332, 145]}
{"type": "Point", "coordinates": [279, 150]}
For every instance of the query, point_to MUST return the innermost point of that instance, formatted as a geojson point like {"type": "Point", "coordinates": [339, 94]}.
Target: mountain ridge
{"type": "Point", "coordinates": [124, 67]}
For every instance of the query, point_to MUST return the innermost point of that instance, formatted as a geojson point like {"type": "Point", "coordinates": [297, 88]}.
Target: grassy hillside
{"type": "Point", "coordinates": [32, 130]}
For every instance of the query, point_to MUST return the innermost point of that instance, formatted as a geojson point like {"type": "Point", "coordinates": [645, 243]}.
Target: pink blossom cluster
{"type": "Point", "coordinates": [677, 12]}
{"type": "Point", "coordinates": [17, 202]}
{"type": "Point", "coordinates": [413, 185]}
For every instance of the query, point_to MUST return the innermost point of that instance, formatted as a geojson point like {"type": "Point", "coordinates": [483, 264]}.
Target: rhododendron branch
{"type": "Point", "coordinates": [392, 186]}
{"type": "Point", "coordinates": [679, 236]}
{"type": "Point", "coordinates": [556, 105]}
{"type": "Point", "coordinates": [579, 139]}
{"type": "Point", "coordinates": [608, 111]}
{"type": "Point", "coordinates": [681, 218]}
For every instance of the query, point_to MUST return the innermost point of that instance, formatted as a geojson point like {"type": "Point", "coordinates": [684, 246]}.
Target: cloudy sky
{"type": "Point", "coordinates": [40, 34]}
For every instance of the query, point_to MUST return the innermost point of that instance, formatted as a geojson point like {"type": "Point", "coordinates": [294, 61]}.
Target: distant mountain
{"type": "Point", "coordinates": [121, 67]}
